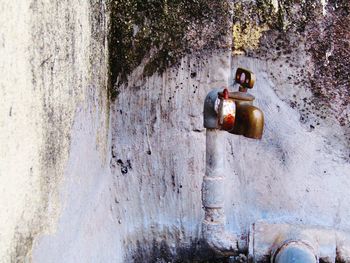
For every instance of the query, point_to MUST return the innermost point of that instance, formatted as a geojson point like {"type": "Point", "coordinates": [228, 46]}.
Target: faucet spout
{"type": "Point", "coordinates": [249, 121]}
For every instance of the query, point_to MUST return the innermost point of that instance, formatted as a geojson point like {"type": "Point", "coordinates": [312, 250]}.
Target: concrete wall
{"type": "Point", "coordinates": [86, 179]}
{"type": "Point", "coordinates": [53, 84]}
{"type": "Point", "coordinates": [294, 174]}
{"type": "Point", "coordinates": [298, 173]}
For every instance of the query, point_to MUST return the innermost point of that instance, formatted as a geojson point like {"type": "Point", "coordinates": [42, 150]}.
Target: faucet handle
{"type": "Point", "coordinates": [226, 109]}
{"type": "Point", "coordinates": [245, 78]}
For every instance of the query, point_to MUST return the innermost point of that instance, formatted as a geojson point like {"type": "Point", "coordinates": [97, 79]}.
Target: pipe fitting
{"type": "Point", "coordinates": [222, 242]}
{"type": "Point", "coordinates": [234, 111]}
{"type": "Point", "coordinates": [294, 251]}
{"type": "Point", "coordinates": [274, 241]}
{"type": "Point", "coordinates": [210, 116]}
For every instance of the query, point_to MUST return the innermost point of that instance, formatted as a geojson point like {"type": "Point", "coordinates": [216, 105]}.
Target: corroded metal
{"type": "Point", "coordinates": [245, 78]}
{"type": "Point", "coordinates": [226, 111]}
{"type": "Point", "coordinates": [249, 120]}
{"type": "Point", "coordinates": [210, 118]}
{"type": "Point", "coordinates": [214, 229]}
{"type": "Point", "coordinates": [233, 112]}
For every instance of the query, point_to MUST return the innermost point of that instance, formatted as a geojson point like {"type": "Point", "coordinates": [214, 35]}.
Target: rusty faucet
{"type": "Point", "coordinates": [232, 112]}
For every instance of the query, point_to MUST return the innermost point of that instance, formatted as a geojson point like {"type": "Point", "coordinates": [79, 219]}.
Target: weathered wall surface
{"type": "Point", "coordinates": [298, 173]}
{"type": "Point", "coordinates": [83, 180]}
{"type": "Point", "coordinates": [158, 150]}
{"type": "Point", "coordinates": [53, 96]}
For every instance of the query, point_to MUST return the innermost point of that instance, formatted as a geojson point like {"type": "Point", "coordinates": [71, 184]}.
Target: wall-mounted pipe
{"type": "Point", "coordinates": [220, 108]}
{"type": "Point", "coordinates": [279, 241]}
{"type": "Point", "coordinates": [294, 252]}
{"type": "Point", "coordinates": [213, 196]}
{"type": "Point", "coordinates": [234, 112]}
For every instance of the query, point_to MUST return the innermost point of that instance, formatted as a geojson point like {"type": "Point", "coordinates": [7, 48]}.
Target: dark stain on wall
{"type": "Point", "coordinates": [23, 246]}
{"type": "Point", "coordinates": [160, 252]}
{"type": "Point", "coordinates": [328, 42]}
{"type": "Point", "coordinates": [300, 29]}
{"type": "Point", "coordinates": [159, 32]}
{"type": "Point", "coordinates": [56, 70]}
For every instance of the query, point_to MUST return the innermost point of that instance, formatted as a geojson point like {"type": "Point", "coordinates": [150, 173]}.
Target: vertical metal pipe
{"type": "Point", "coordinates": [213, 195]}
{"type": "Point", "coordinates": [213, 182]}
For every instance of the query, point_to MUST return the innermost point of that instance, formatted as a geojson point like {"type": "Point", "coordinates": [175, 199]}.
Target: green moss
{"type": "Point", "coordinates": [290, 17]}
{"type": "Point", "coordinates": [154, 31]}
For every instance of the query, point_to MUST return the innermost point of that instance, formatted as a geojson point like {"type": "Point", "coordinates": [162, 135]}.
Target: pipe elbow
{"type": "Point", "coordinates": [220, 241]}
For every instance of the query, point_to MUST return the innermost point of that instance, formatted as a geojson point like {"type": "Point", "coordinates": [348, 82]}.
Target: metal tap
{"type": "Point", "coordinates": [242, 118]}
{"type": "Point", "coordinates": [233, 112]}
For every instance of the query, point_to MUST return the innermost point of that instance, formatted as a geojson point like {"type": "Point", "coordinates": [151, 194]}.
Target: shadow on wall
{"type": "Point", "coordinates": [160, 252]}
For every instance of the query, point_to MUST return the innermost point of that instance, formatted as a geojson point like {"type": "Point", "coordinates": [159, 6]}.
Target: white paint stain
{"type": "Point", "coordinates": [275, 4]}
{"type": "Point", "coordinates": [324, 5]}
{"type": "Point", "coordinates": [329, 52]}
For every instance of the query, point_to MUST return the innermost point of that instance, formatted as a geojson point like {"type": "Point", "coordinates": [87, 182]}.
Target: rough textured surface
{"type": "Point", "coordinates": [53, 63]}
{"type": "Point", "coordinates": [158, 128]}
{"type": "Point", "coordinates": [77, 186]}
{"type": "Point", "coordinates": [299, 172]}
{"type": "Point", "coordinates": [306, 45]}
{"type": "Point", "coordinates": [156, 34]}
{"type": "Point", "coordinates": [269, 238]}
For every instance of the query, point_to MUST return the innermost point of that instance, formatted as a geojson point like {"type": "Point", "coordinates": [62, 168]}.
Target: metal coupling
{"type": "Point", "coordinates": [294, 251]}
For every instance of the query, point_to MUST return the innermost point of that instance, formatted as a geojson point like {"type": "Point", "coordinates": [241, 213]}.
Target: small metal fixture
{"type": "Point", "coordinates": [226, 111]}
{"type": "Point", "coordinates": [294, 251]}
{"type": "Point", "coordinates": [234, 111]}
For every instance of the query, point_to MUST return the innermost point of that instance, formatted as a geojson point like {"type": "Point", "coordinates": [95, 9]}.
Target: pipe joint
{"type": "Point", "coordinates": [222, 242]}
{"type": "Point", "coordinates": [212, 194]}
{"type": "Point", "coordinates": [294, 251]}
